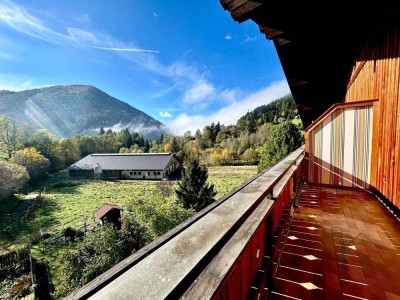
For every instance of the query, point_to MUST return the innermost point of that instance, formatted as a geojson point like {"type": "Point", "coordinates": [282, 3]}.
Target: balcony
{"type": "Point", "coordinates": [274, 237]}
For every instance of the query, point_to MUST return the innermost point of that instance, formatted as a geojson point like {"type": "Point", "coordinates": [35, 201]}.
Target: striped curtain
{"type": "Point", "coordinates": [340, 148]}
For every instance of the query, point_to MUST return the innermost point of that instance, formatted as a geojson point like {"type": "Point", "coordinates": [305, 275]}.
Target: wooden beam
{"type": "Point", "coordinates": [339, 106]}
{"type": "Point", "coordinates": [303, 107]}
{"type": "Point", "coordinates": [355, 74]}
{"type": "Point", "coordinates": [241, 13]}
{"type": "Point", "coordinates": [224, 3]}
{"type": "Point", "coordinates": [280, 42]}
{"type": "Point", "coordinates": [270, 33]}
{"type": "Point", "coordinates": [234, 4]}
{"type": "Point", "coordinates": [296, 82]}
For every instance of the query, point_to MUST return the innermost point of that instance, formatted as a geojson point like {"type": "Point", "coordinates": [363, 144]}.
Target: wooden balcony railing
{"type": "Point", "coordinates": [223, 251]}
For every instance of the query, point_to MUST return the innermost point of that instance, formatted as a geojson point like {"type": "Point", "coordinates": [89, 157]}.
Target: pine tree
{"type": "Point", "coordinates": [161, 139]}
{"type": "Point", "coordinates": [193, 190]}
{"type": "Point", "coordinates": [147, 146]}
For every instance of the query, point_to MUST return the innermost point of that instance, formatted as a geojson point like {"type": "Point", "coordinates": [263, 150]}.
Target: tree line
{"type": "Point", "coordinates": [28, 154]}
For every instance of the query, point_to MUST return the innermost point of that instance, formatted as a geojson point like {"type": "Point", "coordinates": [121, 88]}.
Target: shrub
{"type": "Point", "coordinates": [70, 233]}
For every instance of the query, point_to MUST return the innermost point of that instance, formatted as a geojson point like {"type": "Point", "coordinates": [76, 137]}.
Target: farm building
{"type": "Point", "coordinates": [126, 166]}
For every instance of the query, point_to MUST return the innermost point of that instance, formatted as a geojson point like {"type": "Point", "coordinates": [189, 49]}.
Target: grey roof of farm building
{"type": "Point", "coordinates": [124, 161]}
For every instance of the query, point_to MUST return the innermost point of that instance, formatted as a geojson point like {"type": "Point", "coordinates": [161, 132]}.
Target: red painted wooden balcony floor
{"type": "Point", "coordinates": [341, 244]}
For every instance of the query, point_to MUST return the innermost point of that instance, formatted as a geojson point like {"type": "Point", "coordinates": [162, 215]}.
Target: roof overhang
{"type": "Point", "coordinates": [317, 44]}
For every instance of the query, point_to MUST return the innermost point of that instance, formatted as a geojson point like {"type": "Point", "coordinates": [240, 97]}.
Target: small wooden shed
{"type": "Point", "coordinates": [109, 214]}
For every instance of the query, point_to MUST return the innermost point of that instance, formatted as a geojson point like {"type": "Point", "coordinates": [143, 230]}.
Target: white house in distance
{"type": "Point", "coordinates": [154, 166]}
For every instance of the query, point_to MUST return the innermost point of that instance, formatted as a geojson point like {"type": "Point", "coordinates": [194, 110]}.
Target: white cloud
{"type": "Point", "coordinates": [19, 19]}
{"type": "Point", "coordinates": [230, 95]}
{"type": "Point", "coordinates": [228, 36]}
{"type": "Point", "coordinates": [192, 83]}
{"type": "Point", "coordinates": [142, 128]}
{"type": "Point", "coordinates": [125, 49]}
{"type": "Point", "coordinates": [249, 39]}
{"type": "Point", "coordinates": [81, 37]}
{"type": "Point", "coordinates": [165, 114]}
{"type": "Point", "coordinates": [155, 14]}
{"type": "Point", "coordinates": [199, 91]}
{"type": "Point", "coordinates": [164, 92]}
{"type": "Point", "coordinates": [12, 82]}
{"type": "Point", "coordinates": [230, 113]}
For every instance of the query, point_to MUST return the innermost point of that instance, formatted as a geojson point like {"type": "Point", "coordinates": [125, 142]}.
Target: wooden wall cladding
{"type": "Point", "coordinates": [251, 274]}
{"type": "Point", "coordinates": [238, 283]}
{"type": "Point", "coordinates": [376, 75]}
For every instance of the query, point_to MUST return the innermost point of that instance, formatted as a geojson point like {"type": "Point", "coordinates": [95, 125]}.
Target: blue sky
{"type": "Point", "coordinates": [185, 63]}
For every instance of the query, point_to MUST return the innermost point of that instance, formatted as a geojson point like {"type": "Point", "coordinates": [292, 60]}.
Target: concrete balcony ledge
{"type": "Point", "coordinates": [167, 267]}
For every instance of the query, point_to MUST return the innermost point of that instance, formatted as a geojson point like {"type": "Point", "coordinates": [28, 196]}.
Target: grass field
{"type": "Point", "coordinates": [67, 202]}
{"type": "Point", "coordinates": [228, 178]}
{"type": "Point", "coordinates": [297, 122]}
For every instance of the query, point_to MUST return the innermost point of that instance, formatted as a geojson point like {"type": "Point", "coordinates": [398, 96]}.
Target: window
{"type": "Point", "coordinates": [154, 173]}
{"type": "Point", "coordinates": [134, 173]}
{"type": "Point", "coordinates": [148, 173]}
{"type": "Point", "coordinates": [131, 173]}
{"type": "Point", "coordinates": [139, 173]}
{"type": "Point", "coordinates": [158, 173]}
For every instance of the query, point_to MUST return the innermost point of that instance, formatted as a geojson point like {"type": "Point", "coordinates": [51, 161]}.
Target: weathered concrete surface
{"type": "Point", "coordinates": [207, 283]}
{"type": "Point", "coordinates": [157, 275]}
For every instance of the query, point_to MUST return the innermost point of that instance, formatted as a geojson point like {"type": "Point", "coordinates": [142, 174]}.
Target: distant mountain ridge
{"type": "Point", "coordinates": [75, 109]}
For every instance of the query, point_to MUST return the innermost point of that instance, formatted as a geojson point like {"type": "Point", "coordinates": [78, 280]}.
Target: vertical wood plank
{"type": "Point", "coordinates": [380, 79]}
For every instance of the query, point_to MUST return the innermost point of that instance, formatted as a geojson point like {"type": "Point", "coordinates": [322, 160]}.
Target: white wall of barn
{"type": "Point", "coordinates": [135, 174]}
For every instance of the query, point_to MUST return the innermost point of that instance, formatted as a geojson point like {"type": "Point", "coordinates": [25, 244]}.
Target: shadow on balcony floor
{"type": "Point", "coordinates": [340, 244]}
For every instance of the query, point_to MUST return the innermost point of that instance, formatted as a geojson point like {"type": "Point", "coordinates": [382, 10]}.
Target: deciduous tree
{"type": "Point", "coordinates": [10, 135]}
{"type": "Point", "coordinates": [284, 139]}
{"type": "Point", "coordinates": [12, 178]}
{"type": "Point", "coordinates": [35, 163]}
{"type": "Point", "coordinates": [69, 151]}
{"type": "Point", "coordinates": [250, 155]}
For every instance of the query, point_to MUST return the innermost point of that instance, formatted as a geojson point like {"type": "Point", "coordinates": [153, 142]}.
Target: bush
{"type": "Point", "coordinates": [161, 214]}
{"type": "Point", "coordinates": [36, 164]}
{"type": "Point", "coordinates": [70, 233]}
{"type": "Point", "coordinates": [21, 288]}
{"type": "Point", "coordinates": [12, 178]}
{"type": "Point", "coordinates": [100, 251]}
{"type": "Point", "coordinates": [164, 188]}
{"type": "Point", "coordinates": [284, 139]}
{"type": "Point", "coordinates": [80, 234]}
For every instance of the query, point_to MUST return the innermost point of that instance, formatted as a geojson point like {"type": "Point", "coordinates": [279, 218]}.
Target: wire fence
{"type": "Point", "coordinates": [8, 231]}
{"type": "Point", "coordinates": [59, 238]}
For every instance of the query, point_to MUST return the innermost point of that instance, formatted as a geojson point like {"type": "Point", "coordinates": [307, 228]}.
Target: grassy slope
{"type": "Point", "coordinates": [66, 202]}
{"type": "Point", "coordinates": [227, 178]}
{"type": "Point", "coordinates": [297, 122]}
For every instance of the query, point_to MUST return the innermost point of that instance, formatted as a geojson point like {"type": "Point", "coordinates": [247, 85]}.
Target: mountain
{"type": "Point", "coordinates": [75, 109]}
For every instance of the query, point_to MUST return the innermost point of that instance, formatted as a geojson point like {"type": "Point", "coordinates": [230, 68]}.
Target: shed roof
{"type": "Point", "coordinates": [102, 211]}
{"type": "Point", "coordinates": [124, 161]}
